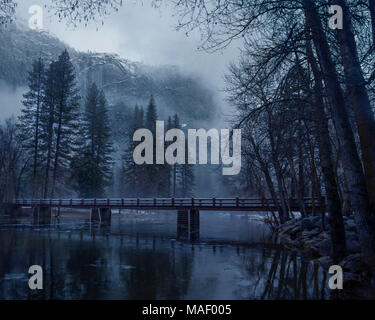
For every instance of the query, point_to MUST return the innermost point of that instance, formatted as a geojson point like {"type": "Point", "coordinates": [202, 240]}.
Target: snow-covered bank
{"type": "Point", "coordinates": [308, 237]}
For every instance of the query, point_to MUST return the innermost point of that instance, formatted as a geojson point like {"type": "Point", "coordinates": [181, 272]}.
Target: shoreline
{"type": "Point", "coordinates": [306, 236]}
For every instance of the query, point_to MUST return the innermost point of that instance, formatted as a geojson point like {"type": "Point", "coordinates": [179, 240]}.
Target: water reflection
{"type": "Point", "coordinates": [142, 260]}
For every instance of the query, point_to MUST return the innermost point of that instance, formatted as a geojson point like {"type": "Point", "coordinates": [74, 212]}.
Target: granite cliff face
{"type": "Point", "coordinates": [124, 82]}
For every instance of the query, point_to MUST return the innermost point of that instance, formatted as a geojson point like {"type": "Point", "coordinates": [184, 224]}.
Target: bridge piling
{"type": "Point", "coordinates": [188, 225]}
{"type": "Point", "coordinates": [95, 215]}
{"type": "Point", "coordinates": [102, 215]}
{"type": "Point", "coordinates": [42, 215]}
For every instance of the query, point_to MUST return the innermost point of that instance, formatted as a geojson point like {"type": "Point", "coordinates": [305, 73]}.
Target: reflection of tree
{"type": "Point", "coordinates": [159, 273]}
{"type": "Point", "coordinates": [287, 276]}
{"type": "Point", "coordinates": [87, 268]}
{"type": "Point", "coordinates": [107, 267]}
{"type": "Point", "coordinates": [272, 274]}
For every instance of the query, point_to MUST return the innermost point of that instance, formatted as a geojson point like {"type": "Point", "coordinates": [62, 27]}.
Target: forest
{"type": "Point", "coordinates": [304, 99]}
{"type": "Point", "coordinates": [58, 146]}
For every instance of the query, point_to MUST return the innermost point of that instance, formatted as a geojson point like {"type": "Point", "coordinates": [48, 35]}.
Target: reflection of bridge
{"type": "Point", "coordinates": [188, 208]}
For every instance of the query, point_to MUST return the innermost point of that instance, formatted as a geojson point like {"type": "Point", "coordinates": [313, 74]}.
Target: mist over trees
{"type": "Point", "coordinates": [153, 180]}
{"type": "Point", "coordinates": [49, 124]}
{"type": "Point", "coordinates": [92, 165]}
{"type": "Point", "coordinates": [64, 144]}
{"type": "Point", "coordinates": [13, 161]}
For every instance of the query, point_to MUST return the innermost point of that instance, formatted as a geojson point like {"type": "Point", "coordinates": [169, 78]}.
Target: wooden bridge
{"type": "Point", "coordinates": [188, 209]}
{"type": "Point", "coordinates": [208, 204]}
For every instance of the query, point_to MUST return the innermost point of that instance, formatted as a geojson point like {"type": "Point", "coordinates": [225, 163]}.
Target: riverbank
{"type": "Point", "coordinates": [308, 238]}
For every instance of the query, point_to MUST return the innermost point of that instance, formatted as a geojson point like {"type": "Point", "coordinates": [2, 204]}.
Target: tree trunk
{"type": "Point", "coordinates": [372, 12]}
{"type": "Point", "coordinates": [268, 178]}
{"type": "Point", "coordinates": [356, 85]}
{"type": "Point", "coordinates": [350, 159]}
{"type": "Point", "coordinates": [57, 155]}
{"type": "Point", "coordinates": [49, 152]}
{"type": "Point", "coordinates": [36, 140]}
{"type": "Point", "coordinates": [296, 186]}
{"type": "Point", "coordinates": [336, 221]}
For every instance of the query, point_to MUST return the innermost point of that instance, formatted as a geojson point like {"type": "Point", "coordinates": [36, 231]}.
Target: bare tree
{"type": "Point", "coordinates": [12, 161]}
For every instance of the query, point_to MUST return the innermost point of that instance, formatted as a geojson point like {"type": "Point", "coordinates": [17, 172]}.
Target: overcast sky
{"type": "Point", "coordinates": [142, 33]}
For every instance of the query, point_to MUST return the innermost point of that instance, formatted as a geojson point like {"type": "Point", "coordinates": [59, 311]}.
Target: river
{"type": "Point", "coordinates": [138, 257]}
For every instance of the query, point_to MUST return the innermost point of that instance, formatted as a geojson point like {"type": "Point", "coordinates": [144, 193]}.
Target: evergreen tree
{"type": "Point", "coordinates": [175, 124]}
{"type": "Point", "coordinates": [187, 178]}
{"type": "Point", "coordinates": [151, 177]}
{"type": "Point", "coordinates": [182, 174]}
{"type": "Point", "coordinates": [92, 168]}
{"type": "Point", "coordinates": [30, 122]}
{"type": "Point", "coordinates": [47, 119]}
{"type": "Point", "coordinates": [133, 174]}
{"type": "Point", "coordinates": [151, 115]}
{"type": "Point", "coordinates": [66, 115]}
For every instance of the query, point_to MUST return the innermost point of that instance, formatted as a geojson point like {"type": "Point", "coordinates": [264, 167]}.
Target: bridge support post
{"type": "Point", "coordinates": [102, 215]}
{"type": "Point", "coordinates": [183, 225]}
{"type": "Point", "coordinates": [188, 225]}
{"type": "Point", "coordinates": [194, 225]}
{"type": "Point", "coordinates": [95, 215]}
{"type": "Point", "coordinates": [42, 215]}
{"type": "Point", "coordinates": [106, 214]}
{"type": "Point", "coordinates": [36, 214]}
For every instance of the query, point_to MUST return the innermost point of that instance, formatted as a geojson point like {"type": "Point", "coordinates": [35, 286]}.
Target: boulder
{"type": "Point", "coordinates": [326, 262]}
{"type": "Point", "coordinates": [353, 246]}
{"type": "Point", "coordinates": [352, 263]}
{"type": "Point", "coordinates": [351, 278]}
{"type": "Point", "coordinates": [351, 236]}
{"type": "Point", "coordinates": [307, 224]}
{"type": "Point", "coordinates": [325, 247]}
{"type": "Point", "coordinates": [350, 225]}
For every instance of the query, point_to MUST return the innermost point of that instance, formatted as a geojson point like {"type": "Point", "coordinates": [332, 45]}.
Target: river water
{"type": "Point", "coordinates": [138, 257]}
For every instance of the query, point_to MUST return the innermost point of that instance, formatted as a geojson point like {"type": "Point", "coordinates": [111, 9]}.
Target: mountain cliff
{"type": "Point", "coordinates": [124, 82]}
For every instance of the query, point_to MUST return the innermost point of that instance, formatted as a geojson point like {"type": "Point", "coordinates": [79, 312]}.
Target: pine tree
{"type": "Point", "coordinates": [66, 115]}
{"type": "Point", "coordinates": [30, 121]}
{"type": "Point", "coordinates": [151, 176]}
{"type": "Point", "coordinates": [47, 119]}
{"type": "Point", "coordinates": [183, 174]}
{"type": "Point", "coordinates": [175, 124]}
{"type": "Point", "coordinates": [151, 115]}
{"type": "Point", "coordinates": [92, 168]}
{"type": "Point", "coordinates": [187, 179]}
{"type": "Point", "coordinates": [133, 174]}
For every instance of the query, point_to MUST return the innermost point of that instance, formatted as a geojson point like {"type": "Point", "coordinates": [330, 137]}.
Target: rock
{"type": "Point", "coordinates": [325, 247]}
{"type": "Point", "coordinates": [350, 225]}
{"type": "Point", "coordinates": [352, 263]}
{"type": "Point", "coordinates": [353, 246]}
{"type": "Point", "coordinates": [316, 220]}
{"type": "Point", "coordinates": [351, 278]}
{"type": "Point", "coordinates": [351, 236]}
{"type": "Point", "coordinates": [311, 251]}
{"type": "Point", "coordinates": [307, 224]}
{"type": "Point", "coordinates": [326, 262]}
{"type": "Point", "coordinates": [311, 234]}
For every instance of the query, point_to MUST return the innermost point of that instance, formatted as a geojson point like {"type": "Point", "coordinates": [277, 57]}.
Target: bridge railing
{"type": "Point", "coordinates": [160, 202]}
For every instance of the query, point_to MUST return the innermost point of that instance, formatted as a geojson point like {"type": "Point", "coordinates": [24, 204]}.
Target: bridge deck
{"type": "Point", "coordinates": [213, 204]}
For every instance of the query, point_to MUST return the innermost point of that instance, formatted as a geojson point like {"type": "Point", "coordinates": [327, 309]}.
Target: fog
{"type": "Point", "coordinates": [10, 100]}
{"type": "Point", "coordinates": [145, 34]}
